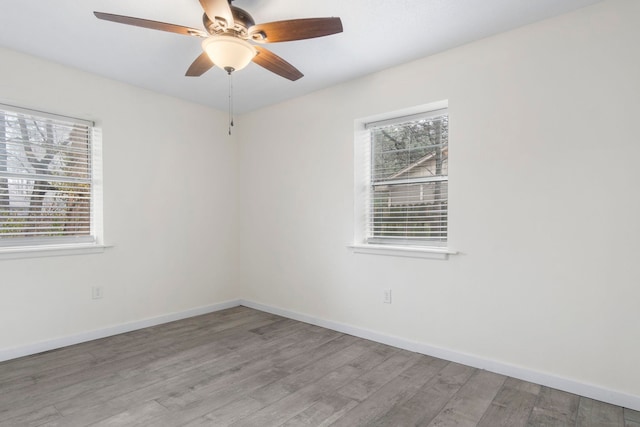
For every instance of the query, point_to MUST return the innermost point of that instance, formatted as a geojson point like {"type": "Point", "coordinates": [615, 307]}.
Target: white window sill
{"type": "Point", "coordinates": [403, 251]}
{"type": "Point", "coordinates": [16, 252]}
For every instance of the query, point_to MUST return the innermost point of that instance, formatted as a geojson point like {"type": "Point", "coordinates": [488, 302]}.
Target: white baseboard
{"type": "Point", "coordinates": [542, 378]}
{"type": "Point", "coordinates": [39, 347]}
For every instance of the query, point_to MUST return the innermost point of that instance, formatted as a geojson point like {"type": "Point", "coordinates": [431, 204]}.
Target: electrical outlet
{"type": "Point", "coordinates": [386, 296]}
{"type": "Point", "coordinates": [97, 292]}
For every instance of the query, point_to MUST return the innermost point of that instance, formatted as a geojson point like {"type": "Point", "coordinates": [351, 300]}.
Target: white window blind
{"type": "Point", "coordinates": [408, 180]}
{"type": "Point", "coordinates": [45, 178]}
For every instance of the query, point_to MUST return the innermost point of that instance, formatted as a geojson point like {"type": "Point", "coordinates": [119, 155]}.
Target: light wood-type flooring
{"type": "Point", "coordinates": [243, 367]}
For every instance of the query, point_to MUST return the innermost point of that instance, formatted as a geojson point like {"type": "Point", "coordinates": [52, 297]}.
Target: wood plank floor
{"type": "Point", "coordinates": [243, 367]}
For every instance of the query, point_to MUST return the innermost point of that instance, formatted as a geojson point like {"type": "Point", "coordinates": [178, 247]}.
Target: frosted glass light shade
{"type": "Point", "coordinates": [229, 52]}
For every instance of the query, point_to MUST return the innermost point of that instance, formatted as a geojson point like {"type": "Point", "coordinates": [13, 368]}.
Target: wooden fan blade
{"type": "Point", "coordinates": [201, 65]}
{"type": "Point", "coordinates": [154, 25]}
{"type": "Point", "coordinates": [295, 29]}
{"type": "Point", "coordinates": [219, 8]}
{"type": "Point", "coordinates": [272, 62]}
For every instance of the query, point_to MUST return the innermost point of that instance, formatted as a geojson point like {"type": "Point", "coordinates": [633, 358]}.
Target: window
{"type": "Point", "coordinates": [46, 179]}
{"type": "Point", "coordinates": [407, 180]}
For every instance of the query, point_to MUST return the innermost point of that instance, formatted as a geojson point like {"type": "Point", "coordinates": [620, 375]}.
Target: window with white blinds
{"type": "Point", "coordinates": [408, 180]}
{"type": "Point", "coordinates": [45, 178]}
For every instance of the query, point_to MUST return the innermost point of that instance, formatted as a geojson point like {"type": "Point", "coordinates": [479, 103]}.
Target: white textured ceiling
{"type": "Point", "coordinates": [377, 34]}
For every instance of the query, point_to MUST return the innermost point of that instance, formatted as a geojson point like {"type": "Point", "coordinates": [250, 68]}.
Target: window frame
{"type": "Point", "coordinates": [362, 190]}
{"type": "Point", "coordinates": [26, 247]}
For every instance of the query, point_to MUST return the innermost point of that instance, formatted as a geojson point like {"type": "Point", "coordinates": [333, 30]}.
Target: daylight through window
{"type": "Point", "coordinates": [45, 178]}
{"type": "Point", "coordinates": [408, 180]}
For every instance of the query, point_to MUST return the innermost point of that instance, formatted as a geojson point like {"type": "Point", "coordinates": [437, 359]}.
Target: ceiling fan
{"type": "Point", "coordinates": [227, 36]}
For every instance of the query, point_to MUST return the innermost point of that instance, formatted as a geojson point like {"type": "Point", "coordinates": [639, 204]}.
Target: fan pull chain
{"type": "Point", "coordinates": [230, 100]}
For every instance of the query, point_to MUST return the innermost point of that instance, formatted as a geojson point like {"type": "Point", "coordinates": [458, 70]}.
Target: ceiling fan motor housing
{"type": "Point", "coordinates": [243, 21]}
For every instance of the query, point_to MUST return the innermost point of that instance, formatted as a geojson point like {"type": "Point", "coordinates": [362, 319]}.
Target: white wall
{"type": "Point", "coordinates": [543, 191]}
{"type": "Point", "coordinates": [543, 204]}
{"type": "Point", "coordinates": [169, 197]}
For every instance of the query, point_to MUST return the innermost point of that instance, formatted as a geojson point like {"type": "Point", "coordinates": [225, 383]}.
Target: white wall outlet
{"type": "Point", "coordinates": [386, 296]}
{"type": "Point", "coordinates": [97, 292]}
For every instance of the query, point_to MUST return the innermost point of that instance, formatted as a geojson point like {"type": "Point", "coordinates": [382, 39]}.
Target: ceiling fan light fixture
{"type": "Point", "coordinates": [228, 52]}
